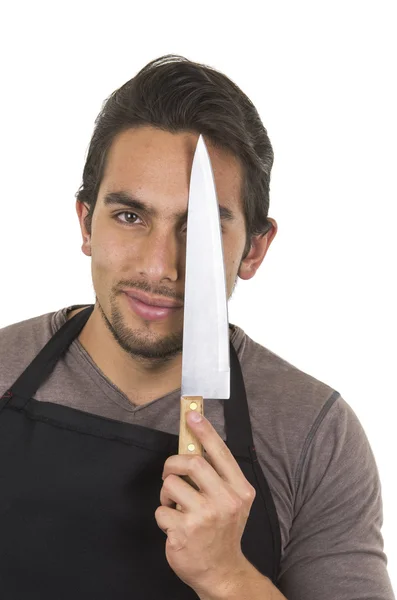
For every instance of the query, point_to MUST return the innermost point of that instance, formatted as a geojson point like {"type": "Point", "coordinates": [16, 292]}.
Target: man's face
{"type": "Point", "coordinates": [133, 249]}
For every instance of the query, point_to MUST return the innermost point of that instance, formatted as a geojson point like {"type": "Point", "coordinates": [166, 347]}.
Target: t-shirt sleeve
{"type": "Point", "coordinates": [335, 549]}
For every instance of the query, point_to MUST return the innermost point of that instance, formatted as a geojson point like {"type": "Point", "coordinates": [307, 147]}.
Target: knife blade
{"type": "Point", "coordinates": [205, 354]}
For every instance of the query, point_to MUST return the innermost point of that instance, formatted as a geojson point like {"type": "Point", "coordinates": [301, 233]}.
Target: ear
{"type": "Point", "coordinates": [82, 212]}
{"type": "Point", "coordinates": [259, 246]}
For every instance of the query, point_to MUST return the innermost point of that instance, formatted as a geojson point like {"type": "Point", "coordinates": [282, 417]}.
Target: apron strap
{"type": "Point", "coordinates": [42, 365]}
{"type": "Point", "coordinates": [237, 417]}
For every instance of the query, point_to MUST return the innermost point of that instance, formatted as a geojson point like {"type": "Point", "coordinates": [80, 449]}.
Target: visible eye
{"type": "Point", "coordinates": [127, 222]}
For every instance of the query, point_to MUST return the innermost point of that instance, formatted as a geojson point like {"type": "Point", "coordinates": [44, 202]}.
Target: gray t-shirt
{"type": "Point", "coordinates": [311, 447]}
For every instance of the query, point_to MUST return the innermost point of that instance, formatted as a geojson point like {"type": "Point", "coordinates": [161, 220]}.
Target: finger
{"type": "Point", "coordinates": [177, 491]}
{"type": "Point", "coordinates": [168, 522]}
{"type": "Point", "coordinates": [164, 518]}
{"type": "Point", "coordinates": [197, 468]}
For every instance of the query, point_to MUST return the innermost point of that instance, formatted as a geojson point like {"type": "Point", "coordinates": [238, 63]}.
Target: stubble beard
{"type": "Point", "coordinates": [142, 344]}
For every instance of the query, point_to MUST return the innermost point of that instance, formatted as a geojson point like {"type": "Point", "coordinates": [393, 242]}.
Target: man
{"type": "Point", "coordinates": [288, 501]}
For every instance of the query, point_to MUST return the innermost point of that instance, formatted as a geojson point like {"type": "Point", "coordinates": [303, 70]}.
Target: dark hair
{"type": "Point", "coordinates": [175, 94]}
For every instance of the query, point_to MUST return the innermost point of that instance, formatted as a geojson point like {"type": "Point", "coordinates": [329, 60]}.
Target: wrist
{"type": "Point", "coordinates": [247, 583]}
{"type": "Point", "coordinates": [242, 583]}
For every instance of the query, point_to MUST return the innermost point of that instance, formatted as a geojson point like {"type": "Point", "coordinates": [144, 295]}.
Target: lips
{"type": "Point", "coordinates": [158, 302]}
{"type": "Point", "coordinates": [150, 312]}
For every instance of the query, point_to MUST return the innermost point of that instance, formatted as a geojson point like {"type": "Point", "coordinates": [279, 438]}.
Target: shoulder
{"type": "Point", "coordinates": [279, 389]}
{"type": "Point", "coordinates": [20, 342]}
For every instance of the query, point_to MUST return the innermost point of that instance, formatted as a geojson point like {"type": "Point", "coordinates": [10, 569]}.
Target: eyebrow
{"type": "Point", "coordinates": [130, 201]}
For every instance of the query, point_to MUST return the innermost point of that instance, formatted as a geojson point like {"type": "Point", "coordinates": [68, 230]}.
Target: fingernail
{"type": "Point", "coordinates": [195, 416]}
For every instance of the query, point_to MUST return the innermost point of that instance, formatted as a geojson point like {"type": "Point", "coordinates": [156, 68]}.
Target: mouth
{"type": "Point", "coordinates": [151, 312]}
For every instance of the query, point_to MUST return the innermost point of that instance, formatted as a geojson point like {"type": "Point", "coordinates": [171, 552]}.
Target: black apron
{"type": "Point", "coordinates": [78, 494]}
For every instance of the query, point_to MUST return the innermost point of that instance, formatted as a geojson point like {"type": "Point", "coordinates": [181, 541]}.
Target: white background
{"type": "Point", "coordinates": [323, 77]}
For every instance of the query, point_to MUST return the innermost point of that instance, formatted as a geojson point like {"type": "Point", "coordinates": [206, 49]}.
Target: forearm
{"type": "Point", "coordinates": [248, 584]}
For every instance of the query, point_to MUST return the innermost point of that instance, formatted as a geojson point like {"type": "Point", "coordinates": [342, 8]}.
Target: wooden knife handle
{"type": "Point", "coordinates": [188, 443]}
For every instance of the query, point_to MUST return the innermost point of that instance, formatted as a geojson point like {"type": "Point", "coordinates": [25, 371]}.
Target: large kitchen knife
{"type": "Point", "coordinates": [205, 353]}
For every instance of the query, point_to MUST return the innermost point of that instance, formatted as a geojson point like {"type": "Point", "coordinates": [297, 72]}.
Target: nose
{"type": "Point", "coordinates": [162, 257]}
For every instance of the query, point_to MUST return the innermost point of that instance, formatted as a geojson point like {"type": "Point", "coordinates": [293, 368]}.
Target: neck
{"type": "Point", "coordinates": [141, 380]}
